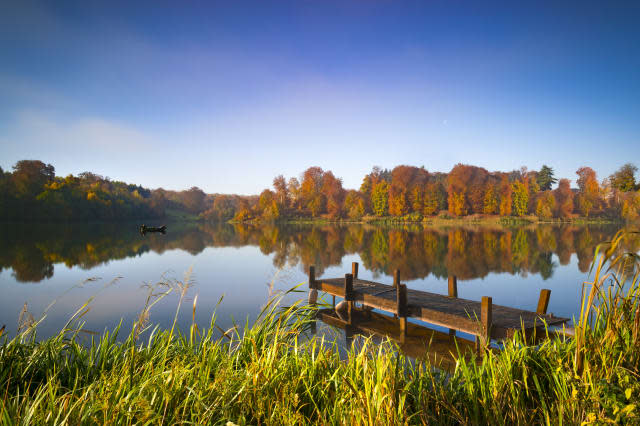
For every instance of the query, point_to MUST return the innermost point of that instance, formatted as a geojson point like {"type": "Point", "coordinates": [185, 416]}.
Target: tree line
{"type": "Point", "coordinates": [414, 193]}
{"type": "Point", "coordinates": [33, 192]}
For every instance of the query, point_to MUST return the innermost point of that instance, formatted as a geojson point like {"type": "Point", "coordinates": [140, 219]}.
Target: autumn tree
{"type": "Point", "coordinates": [545, 205]}
{"type": "Point", "coordinates": [312, 198]}
{"type": "Point", "coordinates": [505, 196]}
{"type": "Point", "coordinates": [293, 189]}
{"type": "Point", "coordinates": [30, 176]}
{"type": "Point", "coordinates": [564, 198]}
{"type": "Point", "coordinates": [370, 181]}
{"type": "Point", "coordinates": [491, 201]}
{"type": "Point", "coordinates": [354, 204]}
{"type": "Point", "coordinates": [193, 199]}
{"type": "Point", "coordinates": [589, 191]}
{"type": "Point", "coordinates": [268, 205]}
{"type": "Point", "coordinates": [333, 193]}
{"type": "Point", "coordinates": [435, 197]}
{"type": "Point", "coordinates": [405, 192]}
{"type": "Point", "coordinates": [520, 197]}
{"type": "Point", "coordinates": [380, 198]}
{"type": "Point", "coordinates": [465, 189]}
{"type": "Point", "coordinates": [281, 192]}
{"type": "Point", "coordinates": [624, 178]}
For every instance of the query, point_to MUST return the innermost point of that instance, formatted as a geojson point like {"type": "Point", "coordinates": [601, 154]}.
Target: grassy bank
{"type": "Point", "coordinates": [272, 373]}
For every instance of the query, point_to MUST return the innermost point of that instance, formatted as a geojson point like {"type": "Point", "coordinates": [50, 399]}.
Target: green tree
{"type": "Point", "coordinates": [490, 201]}
{"type": "Point", "coordinates": [624, 178]}
{"type": "Point", "coordinates": [520, 196]}
{"type": "Point", "coordinates": [380, 198]}
{"type": "Point", "coordinates": [545, 178]}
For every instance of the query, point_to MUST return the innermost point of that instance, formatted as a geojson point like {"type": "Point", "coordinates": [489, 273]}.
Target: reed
{"type": "Point", "coordinates": [275, 372]}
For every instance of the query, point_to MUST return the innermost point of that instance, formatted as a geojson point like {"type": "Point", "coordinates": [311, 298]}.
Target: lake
{"type": "Point", "coordinates": [115, 265]}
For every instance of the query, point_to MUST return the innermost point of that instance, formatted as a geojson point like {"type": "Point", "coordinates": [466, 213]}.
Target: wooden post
{"type": "Point", "coordinates": [486, 314]}
{"type": "Point", "coordinates": [396, 278]}
{"type": "Point", "coordinates": [401, 306]}
{"type": "Point", "coordinates": [543, 301]}
{"type": "Point", "coordinates": [312, 276]}
{"type": "Point", "coordinates": [348, 336]}
{"type": "Point", "coordinates": [453, 286]}
{"type": "Point", "coordinates": [453, 292]}
{"type": "Point", "coordinates": [354, 270]}
{"type": "Point", "coordinates": [348, 293]}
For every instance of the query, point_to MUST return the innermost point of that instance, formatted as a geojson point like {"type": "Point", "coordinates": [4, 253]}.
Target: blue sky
{"type": "Point", "coordinates": [227, 95]}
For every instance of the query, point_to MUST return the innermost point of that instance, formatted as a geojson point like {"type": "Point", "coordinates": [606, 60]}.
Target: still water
{"type": "Point", "coordinates": [113, 265]}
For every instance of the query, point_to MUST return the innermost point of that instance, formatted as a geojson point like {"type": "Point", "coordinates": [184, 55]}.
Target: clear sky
{"type": "Point", "coordinates": [227, 95]}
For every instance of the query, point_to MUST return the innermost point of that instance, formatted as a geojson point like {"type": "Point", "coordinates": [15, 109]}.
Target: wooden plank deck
{"type": "Point", "coordinates": [489, 321]}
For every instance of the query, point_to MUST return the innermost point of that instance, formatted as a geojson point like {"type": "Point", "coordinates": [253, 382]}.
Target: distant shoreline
{"type": "Point", "coordinates": [450, 221]}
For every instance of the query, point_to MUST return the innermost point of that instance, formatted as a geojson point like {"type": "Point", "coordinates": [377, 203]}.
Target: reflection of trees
{"type": "Point", "coordinates": [465, 252]}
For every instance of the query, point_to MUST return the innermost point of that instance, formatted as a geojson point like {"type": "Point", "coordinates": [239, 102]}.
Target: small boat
{"type": "Point", "coordinates": [144, 229]}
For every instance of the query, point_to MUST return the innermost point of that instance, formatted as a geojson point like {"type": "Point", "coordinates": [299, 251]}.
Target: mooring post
{"type": "Point", "coordinates": [312, 276]}
{"type": "Point", "coordinates": [396, 282]}
{"type": "Point", "coordinates": [543, 301]}
{"type": "Point", "coordinates": [453, 286]}
{"type": "Point", "coordinates": [354, 270]}
{"type": "Point", "coordinates": [396, 278]}
{"type": "Point", "coordinates": [401, 307]}
{"type": "Point", "coordinates": [453, 292]}
{"type": "Point", "coordinates": [486, 314]}
{"type": "Point", "coordinates": [348, 293]}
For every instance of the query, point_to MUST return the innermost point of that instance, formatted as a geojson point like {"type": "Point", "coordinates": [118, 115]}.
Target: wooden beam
{"type": "Point", "coordinates": [348, 293]}
{"type": "Point", "coordinates": [453, 286]}
{"type": "Point", "coordinates": [486, 317]}
{"type": "Point", "coordinates": [543, 301]}
{"type": "Point", "coordinates": [354, 270]}
{"type": "Point", "coordinates": [453, 292]}
{"type": "Point", "coordinates": [401, 306]}
{"type": "Point", "coordinates": [312, 276]}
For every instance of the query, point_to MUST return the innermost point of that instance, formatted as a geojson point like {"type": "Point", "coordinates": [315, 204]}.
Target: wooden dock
{"type": "Point", "coordinates": [479, 318]}
{"type": "Point", "coordinates": [417, 342]}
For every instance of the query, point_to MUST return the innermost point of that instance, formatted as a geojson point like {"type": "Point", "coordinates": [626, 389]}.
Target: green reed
{"type": "Point", "coordinates": [275, 372]}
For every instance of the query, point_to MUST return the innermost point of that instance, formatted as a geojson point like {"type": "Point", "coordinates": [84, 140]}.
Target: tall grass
{"type": "Point", "coordinates": [273, 372]}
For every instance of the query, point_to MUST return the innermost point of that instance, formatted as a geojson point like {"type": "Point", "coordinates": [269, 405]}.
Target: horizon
{"type": "Point", "coordinates": [227, 96]}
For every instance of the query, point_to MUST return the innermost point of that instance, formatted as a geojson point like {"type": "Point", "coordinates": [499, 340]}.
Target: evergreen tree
{"type": "Point", "coordinates": [545, 178]}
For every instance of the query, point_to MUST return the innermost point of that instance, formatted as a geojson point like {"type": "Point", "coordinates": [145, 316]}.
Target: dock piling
{"type": "Point", "coordinates": [543, 301]}
{"type": "Point", "coordinates": [486, 317]}
{"type": "Point", "coordinates": [453, 292]}
{"type": "Point", "coordinates": [312, 276]}
{"type": "Point", "coordinates": [401, 306]}
{"type": "Point", "coordinates": [453, 286]}
{"type": "Point", "coordinates": [354, 270]}
{"type": "Point", "coordinates": [396, 278]}
{"type": "Point", "coordinates": [348, 293]}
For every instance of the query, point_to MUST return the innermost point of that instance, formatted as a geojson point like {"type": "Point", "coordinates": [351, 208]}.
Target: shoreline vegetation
{"type": "Point", "coordinates": [276, 372]}
{"type": "Point", "coordinates": [445, 220]}
{"type": "Point", "coordinates": [32, 192]}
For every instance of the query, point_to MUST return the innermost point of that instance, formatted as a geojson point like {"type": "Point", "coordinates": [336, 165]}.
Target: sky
{"type": "Point", "coordinates": [227, 95]}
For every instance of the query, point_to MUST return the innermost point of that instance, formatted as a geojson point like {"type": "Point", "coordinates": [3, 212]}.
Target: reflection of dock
{"type": "Point", "coordinates": [481, 319]}
{"type": "Point", "coordinates": [416, 342]}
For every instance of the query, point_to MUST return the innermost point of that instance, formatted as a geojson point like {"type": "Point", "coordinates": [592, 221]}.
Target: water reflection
{"type": "Point", "coordinates": [474, 252]}
{"type": "Point", "coordinates": [417, 341]}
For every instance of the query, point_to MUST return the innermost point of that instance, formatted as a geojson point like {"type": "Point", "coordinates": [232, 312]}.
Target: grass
{"type": "Point", "coordinates": [272, 372]}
